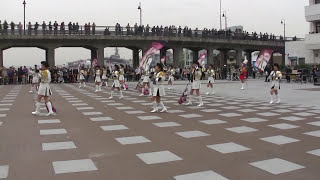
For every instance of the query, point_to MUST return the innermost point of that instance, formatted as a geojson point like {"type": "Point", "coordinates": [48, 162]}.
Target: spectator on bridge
{"type": "Point", "coordinates": [50, 28]}
{"type": "Point", "coordinates": [89, 28]}
{"type": "Point", "coordinates": [70, 28]}
{"type": "Point", "coordinates": [128, 29]}
{"type": "Point", "coordinates": [147, 30]}
{"type": "Point", "coordinates": [74, 28]}
{"type": "Point", "coordinates": [12, 25]}
{"type": "Point", "coordinates": [93, 28]}
{"type": "Point", "coordinates": [62, 28]}
{"type": "Point", "coordinates": [20, 28]}
{"type": "Point", "coordinates": [36, 26]}
{"type": "Point", "coordinates": [44, 28]}
{"type": "Point", "coordinates": [106, 31]}
{"type": "Point", "coordinates": [55, 25]}
{"type": "Point", "coordinates": [5, 27]}
{"type": "Point", "coordinates": [136, 29]}
{"type": "Point", "coordinates": [77, 28]}
{"type": "Point", "coordinates": [29, 28]}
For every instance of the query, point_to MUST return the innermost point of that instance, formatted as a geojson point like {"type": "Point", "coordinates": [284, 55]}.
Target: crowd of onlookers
{"type": "Point", "coordinates": [55, 28]}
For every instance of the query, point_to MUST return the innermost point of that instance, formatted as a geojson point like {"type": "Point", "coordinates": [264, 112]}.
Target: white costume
{"type": "Point", "coordinates": [45, 79]}
{"type": "Point", "coordinates": [116, 84]}
{"type": "Point", "coordinates": [145, 77]}
{"type": "Point", "coordinates": [81, 77]}
{"type": "Point", "coordinates": [158, 89]}
{"type": "Point", "coordinates": [171, 74]}
{"type": "Point", "coordinates": [35, 77]}
{"type": "Point", "coordinates": [98, 79]}
{"type": "Point", "coordinates": [104, 74]}
{"type": "Point", "coordinates": [121, 77]}
{"type": "Point", "coordinates": [211, 75]}
{"type": "Point", "coordinates": [196, 77]}
{"type": "Point", "coordinates": [275, 84]}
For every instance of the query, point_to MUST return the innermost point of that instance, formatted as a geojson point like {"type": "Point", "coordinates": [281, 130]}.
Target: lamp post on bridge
{"type": "Point", "coordinates": [283, 22]}
{"type": "Point", "coordinates": [24, 17]}
{"type": "Point", "coordinates": [225, 16]}
{"type": "Point", "coordinates": [220, 16]}
{"type": "Point", "coordinates": [140, 8]}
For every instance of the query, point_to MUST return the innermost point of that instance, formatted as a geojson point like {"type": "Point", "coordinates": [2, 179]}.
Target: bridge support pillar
{"type": "Point", "coordinates": [1, 57]}
{"type": "Point", "coordinates": [224, 57]}
{"type": "Point", "coordinates": [210, 56]}
{"type": "Point", "coordinates": [135, 58]}
{"type": "Point", "coordinates": [178, 57]}
{"type": "Point", "coordinates": [195, 55]}
{"type": "Point", "coordinates": [239, 57]}
{"type": "Point", "coordinates": [249, 65]}
{"type": "Point", "coordinates": [100, 53]}
{"type": "Point", "coordinates": [283, 53]}
{"type": "Point", "coordinates": [50, 56]}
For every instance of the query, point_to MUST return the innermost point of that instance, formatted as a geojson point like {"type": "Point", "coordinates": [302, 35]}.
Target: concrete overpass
{"type": "Point", "coordinates": [100, 40]}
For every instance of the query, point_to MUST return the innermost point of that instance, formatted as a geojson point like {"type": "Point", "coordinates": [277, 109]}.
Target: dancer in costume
{"type": "Point", "coordinates": [211, 77]}
{"type": "Point", "coordinates": [104, 77]}
{"type": "Point", "coordinates": [82, 78]}
{"type": "Point", "coordinates": [196, 83]}
{"type": "Point", "coordinates": [121, 78]}
{"type": "Point", "coordinates": [98, 79]}
{"type": "Point", "coordinates": [44, 89]}
{"type": "Point", "coordinates": [171, 74]}
{"type": "Point", "coordinates": [116, 83]}
{"type": "Point", "coordinates": [35, 80]}
{"type": "Point", "coordinates": [145, 82]}
{"type": "Point", "coordinates": [158, 91]}
{"type": "Point", "coordinates": [243, 75]}
{"type": "Point", "coordinates": [275, 76]}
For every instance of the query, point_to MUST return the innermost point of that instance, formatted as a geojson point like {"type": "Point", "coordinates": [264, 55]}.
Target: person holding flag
{"type": "Point", "coordinates": [275, 76]}
{"type": "Point", "coordinates": [159, 90]}
{"type": "Point", "coordinates": [195, 78]}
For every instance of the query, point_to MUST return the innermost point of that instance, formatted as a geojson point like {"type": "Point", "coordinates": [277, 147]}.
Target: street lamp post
{"type": "Point", "coordinates": [140, 8]}
{"type": "Point", "coordinates": [220, 16]}
{"type": "Point", "coordinates": [24, 17]}
{"type": "Point", "coordinates": [225, 16]}
{"type": "Point", "coordinates": [283, 22]}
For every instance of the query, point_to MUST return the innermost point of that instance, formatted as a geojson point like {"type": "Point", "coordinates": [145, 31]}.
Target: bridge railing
{"type": "Point", "coordinates": [136, 31]}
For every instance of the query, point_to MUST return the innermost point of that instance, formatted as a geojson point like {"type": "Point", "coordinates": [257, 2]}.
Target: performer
{"type": "Point", "coordinates": [82, 78]}
{"type": "Point", "coordinates": [98, 79]}
{"type": "Point", "coordinates": [44, 89]}
{"type": "Point", "coordinates": [116, 83]}
{"type": "Point", "coordinates": [158, 91]}
{"type": "Point", "coordinates": [35, 80]}
{"type": "Point", "coordinates": [275, 76]}
{"type": "Point", "coordinates": [211, 77]}
{"type": "Point", "coordinates": [196, 84]}
{"type": "Point", "coordinates": [145, 82]}
{"type": "Point", "coordinates": [171, 73]}
{"type": "Point", "coordinates": [121, 78]}
{"type": "Point", "coordinates": [243, 75]}
{"type": "Point", "coordinates": [104, 77]}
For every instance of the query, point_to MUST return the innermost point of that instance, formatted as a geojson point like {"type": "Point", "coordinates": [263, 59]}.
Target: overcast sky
{"type": "Point", "coordinates": [253, 15]}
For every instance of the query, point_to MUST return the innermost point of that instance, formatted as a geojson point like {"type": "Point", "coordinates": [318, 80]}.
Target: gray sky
{"type": "Point", "coordinates": [253, 15]}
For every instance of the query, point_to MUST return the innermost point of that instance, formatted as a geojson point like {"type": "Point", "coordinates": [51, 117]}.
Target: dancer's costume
{"type": "Point", "coordinates": [116, 84]}
{"type": "Point", "coordinates": [196, 84]}
{"type": "Point", "coordinates": [104, 77]}
{"type": "Point", "coordinates": [145, 79]}
{"type": "Point", "coordinates": [171, 73]}
{"type": "Point", "coordinates": [98, 80]}
{"type": "Point", "coordinates": [243, 76]}
{"type": "Point", "coordinates": [159, 91]}
{"type": "Point", "coordinates": [82, 79]}
{"type": "Point", "coordinates": [44, 90]}
{"type": "Point", "coordinates": [275, 84]}
{"type": "Point", "coordinates": [211, 76]}
{"type": "Point", "coordinates": [35, 80]}
{"type": "Point", "coordinates": [121, 77]}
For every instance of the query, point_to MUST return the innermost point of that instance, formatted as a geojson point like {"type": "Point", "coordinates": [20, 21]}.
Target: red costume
{"type": "Point", "coordinates": [243, 73]}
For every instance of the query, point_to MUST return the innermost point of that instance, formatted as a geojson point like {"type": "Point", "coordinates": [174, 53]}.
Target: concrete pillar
{"type": "Point", "coordinates": [195, 55]}
{"type": "Point", "coordinates": [178, 58]}
{"type": "Point", "coordinates": [1, 57]}
{"type": "Point", "coordinates": [210, 56]}
{"type": "Point", "coordinates": [94, 54]}
{"type": "Point", "coordinates": [249, 65]}
{"type": "Point", "coordinates": [100, 53]}
{"type": "Point", "coordinates": [224, 57]}
{"type": "Point", "coordinates": [50, 56]}
{"type": "Point", "coordinates": [135, 58]}
{"type": "Point", "coordinates": [239, 57]}
{"type": "Point", "coordinates": [283, 53]}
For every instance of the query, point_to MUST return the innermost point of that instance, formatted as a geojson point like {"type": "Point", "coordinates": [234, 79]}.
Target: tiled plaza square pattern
{"type": "Point", "coordinates": [91, 137]}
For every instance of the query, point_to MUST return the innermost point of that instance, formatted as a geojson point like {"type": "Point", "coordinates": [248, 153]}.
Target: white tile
{"type": "Point", "coordinates": [4, 171]}
{"type": "Point", "coordinates": [6, 101]}
{"type": "Point", "coordinates": [299, 109]}
{"type": "Point", "coordinates": [49, 121]}
{"type": "Point", "coordinates": [279, 140]}
{"type": "Point", "coordinates": [167, 124]}
{"type": "Point", "coordinates": [268, 114]}
{"type": "Point", "coordinates": [242, 129]}
{"type": "Point", "coordinates": [134, 112]}
{"type": "Point", "coordinates": [53, 131]}
{"type": "Point", "coordinates": [231, 107]}
{"type": "Point", "coordinates": [254, 120]}
{"type": "Point", "coordinates": [276, 166]}
{"type": "Point", "coordinates": [113, 127]}
{"type": "Point", "coordinates": [5, 104]}
{"type": "Point", "coordinates": [282, 111]}
{"type": "Point", "coordinates": [205, 175]}
{"type": "Point", "coordinates": [101, 119]}
{"type": "Point", "coordinates": [304, 114]}
{"type": "Point", "coordinates": [124, 108]}
{"type": "Point", "coordinates": [77, 101]}
{"type": "Point", "coordinates": [226, 148]}
{"type": "Point", "coordinates": [210, 110]}
{"type": "Point", "coordinates": [283, 126]}
{"type": "Point", "coordinates": [317, 123]}
{"type": "Point", "coordinates": [4, 109]}
{"type": "Point", "coordinates": [158, 157]}
{"type": "Point", "coordinates": [292, 118]}
{"type": "Point", "coordinates": [149, 117]}
{"type": "Point", "coordinates": [91, 113]}
{"type": "Point", "coordinates": [80, 104]}
{"type": "Point", "coordinates": [234, 103]}
{"type": "Point", "coordinates": [72, 166]}
{"type": "Point", "coordinates": [58, 146]}
{"type": "Point", "coordinates": [109, 101]}
{"type": "Point", "coordinates": [190, 115]}
{"type": "Point", "coordinates": [213, 121]}
{"type": "Point", "coordinates": [248, 105]}
{"type": "Point", "coordinates": [195, 107]}
{"type": "Point", "coordinates": [140, 101]}
{"type": "Point", "coordinates": [314, 111]}
{"type": "Point", "coordinates": [85, 108]}
{"type": "Point", "coordinates": [175, 111]}
{"type": "Point", "coordinates": [314, 152]}
{"type": "Point", "coordinates": [68, 99]}
{"type": "Point", "coordinates": [247, 110]}
{"type": "Point", "coordinates": [264, 108]}
{"type": "Point", "coordinates": [132, 140]}
{"type": "Point", "coordinates": [192, 134]}
{"type": "Point", "coordinates": [313, 133]}
{"type": "Point", "coordinates": [115, 104]}
{"type": "Point", "coordinates": [3, 115]}
{"type": "Point", "coordinates": [230, 114]}
{"type": "Point", "coordinates": [215, 105]}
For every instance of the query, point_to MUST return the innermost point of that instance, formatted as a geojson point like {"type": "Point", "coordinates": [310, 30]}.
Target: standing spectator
{"type": "Point", "coordinates": [50, 28]}
{"type": "Point", "coordinates": [77, 28]}
{"type": "Point", "coordinates": [20, 28]}
{"type": "Point", "coordinates": [29, 28]}
{"type": "Point", "coordinates": [5, 27]}
{"type": "Point", "coordinates": [12, 27]}
{"type": "Point", "coordinates": [55, 25]}
{"type": "Point", "coordinates": [93, 28]}
{"type": "Point", "coordinates": [36, 26]}
{"type": "Point", "coordinates": [89, 28]}
{"type": "Point", "coordinates": [44, 28]}
{"type": "Point", "coordinates": [62, 29]}
{"type": "Point", "coordinates": [70, 28]}
{"type": "Point", "coordinates": [128, 29]}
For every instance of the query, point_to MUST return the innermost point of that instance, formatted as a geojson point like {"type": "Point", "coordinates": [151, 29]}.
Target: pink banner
{"type": "Point", "coordinates": [263, 58]}
{"type": "Point", "coordinates": [149, 52]}
{"type": "Point", "coordinates": [202, 57]}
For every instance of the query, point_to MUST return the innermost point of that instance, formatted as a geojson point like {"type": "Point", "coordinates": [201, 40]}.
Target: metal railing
{"type": "Point", "coordinates": [138, 31]}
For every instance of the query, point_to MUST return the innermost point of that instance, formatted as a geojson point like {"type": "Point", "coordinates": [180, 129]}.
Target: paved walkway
{"type": "Point", "coordinates": [236, 135]}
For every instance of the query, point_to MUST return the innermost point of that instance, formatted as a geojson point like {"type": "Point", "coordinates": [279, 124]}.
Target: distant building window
{"type": "Point", "coordinates": [302, 61]}
{"type": "Point", "coordinates": [293, 62]}
{"type": "Point", "coordinates": [317, 2]}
